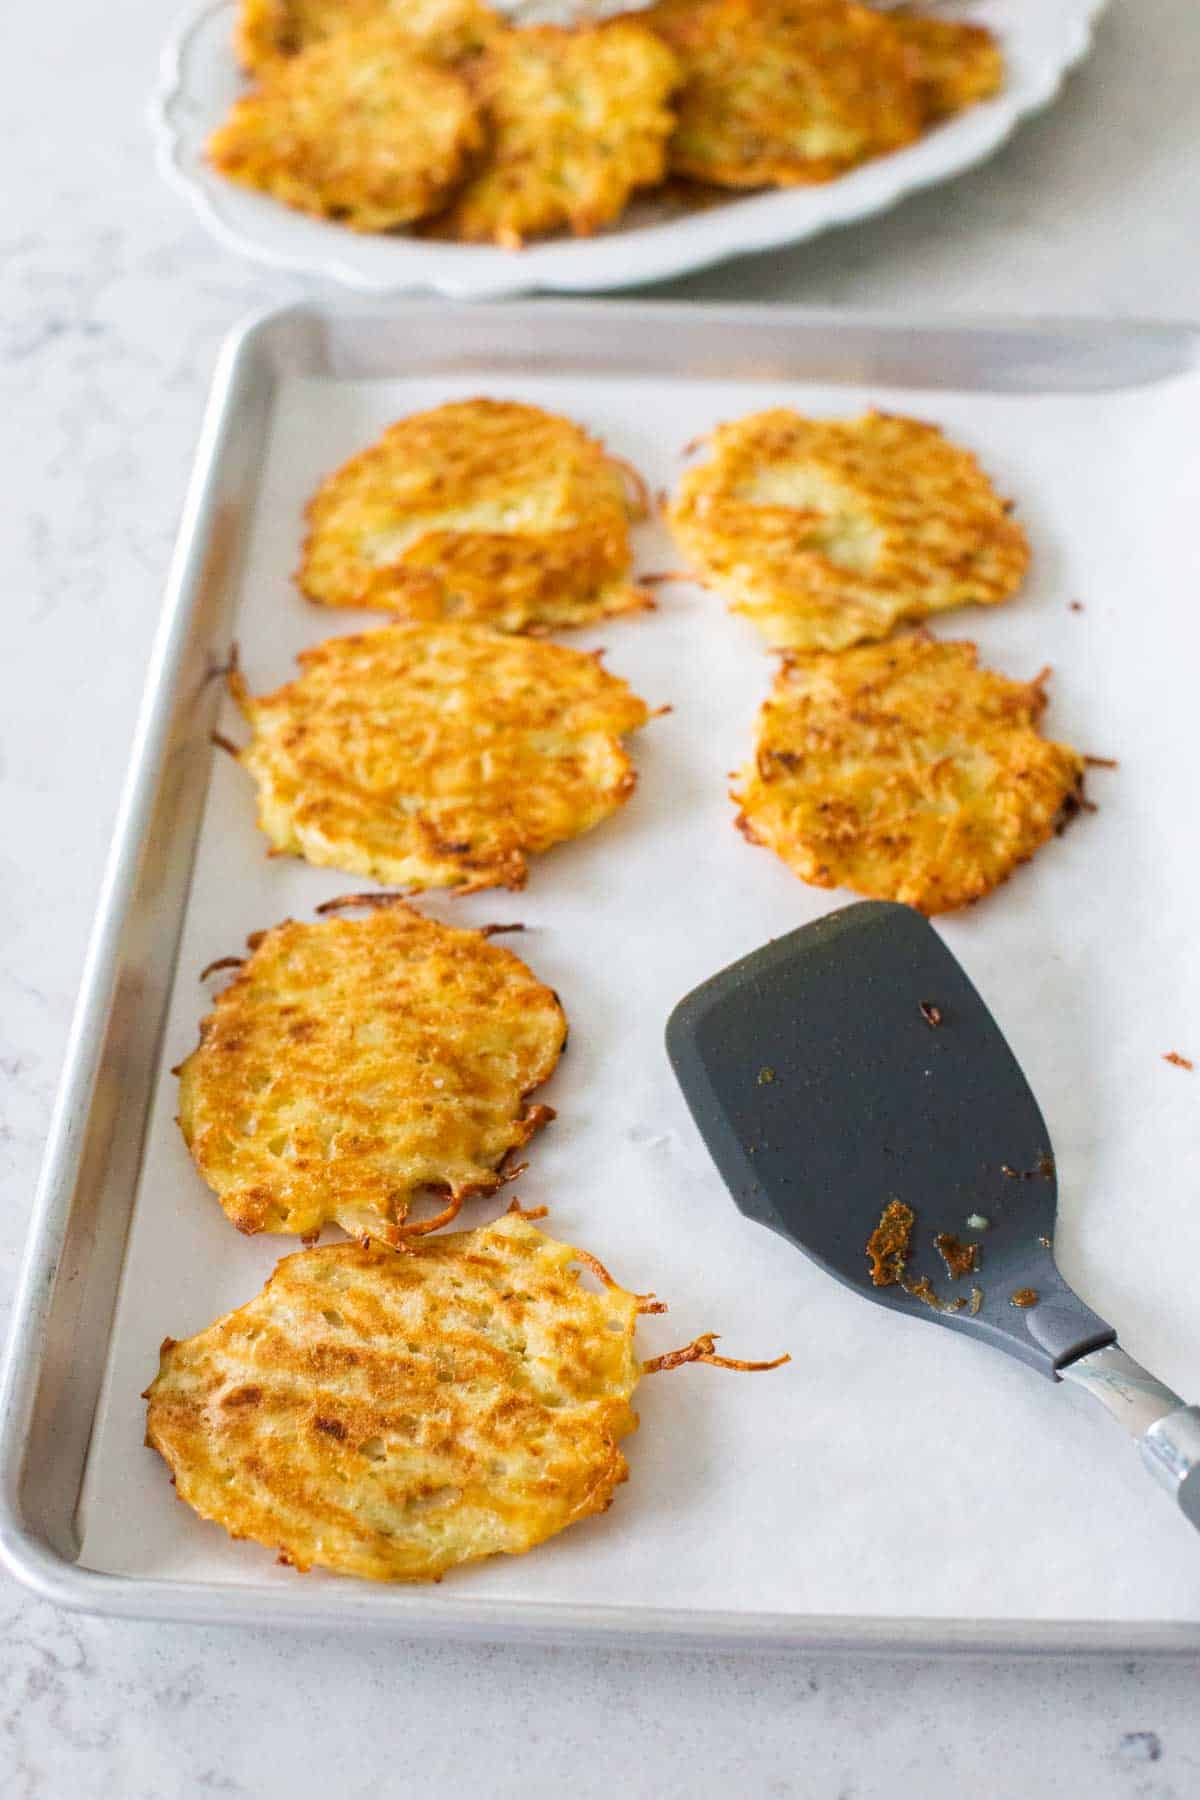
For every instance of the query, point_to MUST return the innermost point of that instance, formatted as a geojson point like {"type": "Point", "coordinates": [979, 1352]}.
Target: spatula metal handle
{"type": "Point", "coordinates": [1167, 1431]}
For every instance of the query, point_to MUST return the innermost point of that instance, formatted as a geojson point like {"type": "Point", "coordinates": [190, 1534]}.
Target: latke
{"type": "Point", "coordinates": [353, 1063]}
{"type": "Point", "coordinates": [831, 531]}
{"type": "Point", "coordinates": [784, 92]}
{"type": "Point", "coordinates": [439, 755]}
{"type": "Point", "coordinates": [905, 772]}
{"type": "Point", "coordinates": [578, 120]}
{"type": "Point", "coordinates": [359, 129]}
{"type": "Point", "coordinates": [480, 509]}
{"type": "Point", "coordinates": [270, 32]}
{"type": "Point", "coordinates": [391, 1416]}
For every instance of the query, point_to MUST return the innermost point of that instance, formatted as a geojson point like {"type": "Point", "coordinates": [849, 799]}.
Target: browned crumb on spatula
{"type": "Point", "coordinates": [921, 1288]}
{"type": "Point", "coordinates": [1180, 1062]}
{"type": "Point", "coordinates": [960, 1259]}
{"type": "Point", "coordinates": [887, 1246]}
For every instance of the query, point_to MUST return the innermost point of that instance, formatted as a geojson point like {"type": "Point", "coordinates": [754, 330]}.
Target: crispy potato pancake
{"type": "Point", "coordinates": [480, 509]}
{"type": "Point", "coordinates": [905, 772]}
{"type": "Point", "coordinates": [269, 32]}
{"type": "Point", "coordinates": [953, 64]}
{"type": "Point", "coordinates": [359, 129]}
{"type": "Point", "coordinates": [830, 531]}
{"type": "Point", "coordinates": [352, 1063]}
{"type": "Point", "coordinates": [439, 755]}
{"type": "Point", "coordinates": [579, 119]}
{"type": "Point", "coordinates": [784, 92]}
{"type": "Point", "coordinates": [391, 1416]}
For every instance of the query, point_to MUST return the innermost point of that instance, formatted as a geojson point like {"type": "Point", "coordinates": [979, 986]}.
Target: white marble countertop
{"type": "Point", "coordinates": [114, 306]}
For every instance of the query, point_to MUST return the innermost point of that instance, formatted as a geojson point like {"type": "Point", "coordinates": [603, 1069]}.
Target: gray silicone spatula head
{"type": "Point", "coordinates": [852, 1063]}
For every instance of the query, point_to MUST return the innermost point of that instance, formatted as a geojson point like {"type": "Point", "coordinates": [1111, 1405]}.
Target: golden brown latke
{"type": "Point", "coordinates": [353, 1063]}
{"type": "Point", "coordinates": [905, 772]}
{"type": "Point", "coordinates": [390, 1416]}
{"type": "Point", "coordinates": [360, 129]}
{"type": "Point", "coordinates": [480, 509]}
{"type": "Point", "coordinates": [578, 119]}
{"type": "Point", "coordinates": [269, 32]}
{"type": "Point", "coordinates": [439, 755]}
{"type": "Point", "coordinates": [830, 531]}
{"type": "Point", "coordinates": [953, 64]}
{"type": "Point", "coordinates": [784, 92]}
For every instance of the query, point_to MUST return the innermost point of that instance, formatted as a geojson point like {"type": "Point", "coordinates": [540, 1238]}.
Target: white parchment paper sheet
{"type": "Point", "coordinates": [893, 1468]}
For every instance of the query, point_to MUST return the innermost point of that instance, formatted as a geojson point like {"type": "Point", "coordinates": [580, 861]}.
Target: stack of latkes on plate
{"type": "Point", "coordinates": [438, 114]}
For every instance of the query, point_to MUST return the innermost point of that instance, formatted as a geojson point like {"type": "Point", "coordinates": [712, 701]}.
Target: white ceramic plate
{"type": "Point", "coordinates": [1042, 39]}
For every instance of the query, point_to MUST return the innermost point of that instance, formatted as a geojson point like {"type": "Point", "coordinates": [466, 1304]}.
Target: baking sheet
{"type": "Point", "coordinates": [892, 1470]}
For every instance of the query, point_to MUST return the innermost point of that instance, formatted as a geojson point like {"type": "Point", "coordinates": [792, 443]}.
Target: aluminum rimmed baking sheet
{"type": "Point", "coordinates": [891, 1487]}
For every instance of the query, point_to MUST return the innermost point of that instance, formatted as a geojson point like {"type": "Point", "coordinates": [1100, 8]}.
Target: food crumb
{"type": "Point", "coordinates": [1044, 1241]}
{"type": "Point", "coordinates": [931, 1014]}
{"type": "Point", "coordinates": [921, 1288]}
{"type": "Point", "coordinates": [1024, 1297]}
{"type": "Point", "coordinates": [765, 1077]}
{"type": "Point", "coordinates": [976, 1302]}
{"type": "Point", "coordinates": [960, 1259]}
{"type": "Point", "coordinates": [977, 1222]}
{"type": "Point", "coordinates": [1043, 1167]}
{"type": "Point", "coordinates": [887, 1246]}
{"type": "Point", "coordinates": [1180, 1062]}
{"type": "Point", "coordinates": [1076, 605]}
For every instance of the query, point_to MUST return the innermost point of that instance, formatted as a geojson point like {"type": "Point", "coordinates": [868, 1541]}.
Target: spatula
{"type": "Point", "coordinates": [851, 1064]}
